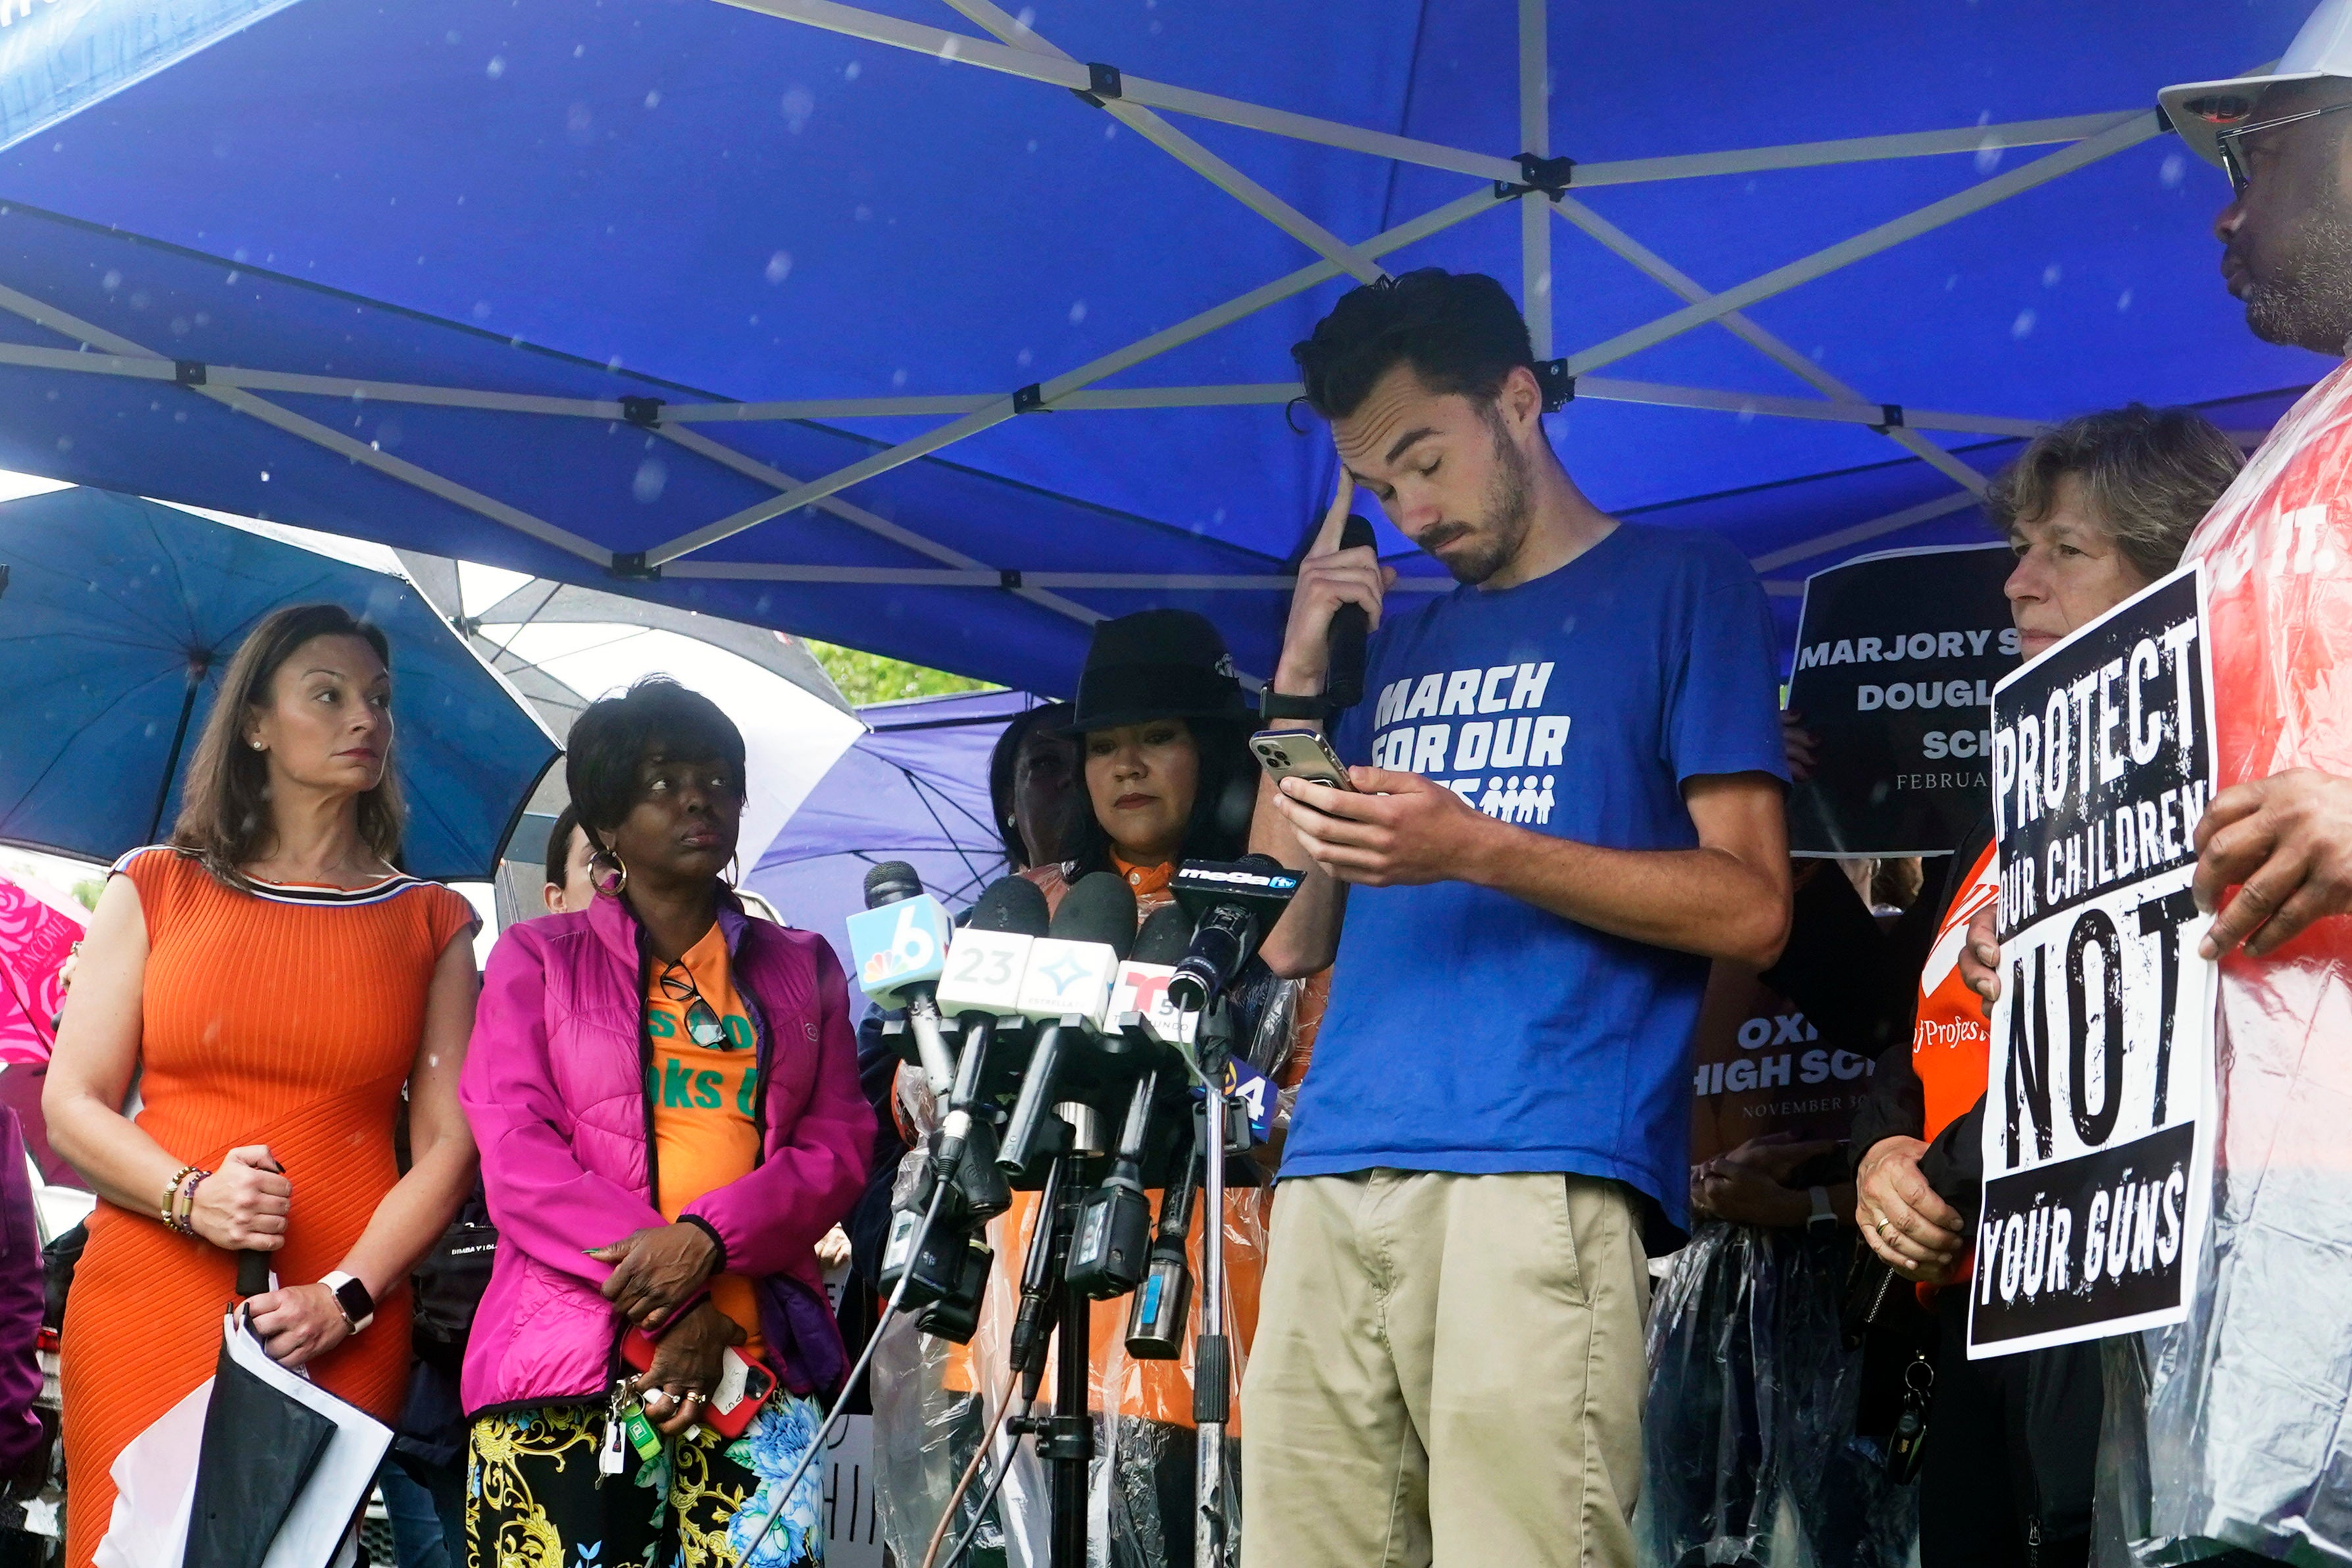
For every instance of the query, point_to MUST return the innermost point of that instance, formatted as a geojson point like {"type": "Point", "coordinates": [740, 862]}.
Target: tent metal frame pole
{"type": "Point", "coordinates": [295, 424]}
{"type": "Point", "coordinates": [1600, 389]}
{"type": "Point", "coordinates": [1535, 137]}
{"type": "Point", "coordinates": [991, 577]}
{"type": "Point", "coordinates": [1876, 528]}
{"type": "Point", "coordinates": [1187, 151]}
{"type": "Point", "coordinates": [965, 50]}
{"type": "Point", "coordinates": [1740, 325]}
{"type": "Point", "coordinates": [716, 452]}
{"type": "Point", "coordinates": [2128, 131]}
{"type": "Point", "coordinates": [1000, 409]}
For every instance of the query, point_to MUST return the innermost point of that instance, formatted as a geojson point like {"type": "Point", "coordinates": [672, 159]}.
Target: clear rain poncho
{"type": "Point", "coordinates": [1749, 1455]}
{"type": "Point", "coordinates": [2241, 1409]}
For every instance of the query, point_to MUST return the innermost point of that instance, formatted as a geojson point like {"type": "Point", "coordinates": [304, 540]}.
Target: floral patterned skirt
{"type": "Point", "coordinates": [534, 1500]}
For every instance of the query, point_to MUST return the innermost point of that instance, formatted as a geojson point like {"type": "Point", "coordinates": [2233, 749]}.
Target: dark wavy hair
{"type": "Point", "coordinates": [1459, 331]}
{"type": "Point", "coordinates": [1218, 829]}
{"type": "Point", "coordinates": [612, 735]}
{"type": "Point", "coordinates": [223, 817]}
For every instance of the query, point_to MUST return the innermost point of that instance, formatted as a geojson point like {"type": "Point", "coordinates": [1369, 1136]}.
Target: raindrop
{"type": "Point", "coordinates": [2122, 300]}
{"type": "Point", "coordinates": [1216, 516]}
{"type": "Point", "coordinates": [1155, 27]}
{"type": "Point", "coordinates": [780, 266]}
{"type": "Point", "coordinates": [849, 71]}
{"type": "Point", "coordinates": [2023, 325]}
{"type": "Point", "coordinates": [179, 326]}
{"type": "Point", "coordinates": [578, 50]}
{"type": "Point", "coordinates": [1027, 20]}
{"type": "Point", "coordinates": [577, 122]}
{"type": "Point", "coordinates": [2051, 275]}
{"type": "Point", "coordinates": [2174, 169]}
{"type": "Point", "coordinates": [265, 479]}
{"type": "Point", "coordinates": [798, 104]}
{"type": "Point", "coordinates": [862, 213]}
{"type": "Point", "coordinates": [140, 299]}
{"type": "Point", "coordinates": [1951, 282]}
{"type": "Point", "coordinates": [497, 66]}
{"type": "Point", "coordinates": [1987, 156]}
{"type": "Point", "coordinates": [651, 476]}
{"type": "Point", "coordinates": [452, 36]}
{"type": "Point", "coordinates": [1033, 144]}
{"type": "Point", "coordinates": [1110, 132]}
{"type": "Point", "coordinates": [1077, 312]}
{"type": "Point", "coordinates": [613, 363]}
{"type": "Point", "coordinates": [65, 443]}
{"type": "Point", "coordinates": [481, 309]}
{"type": "Point", "coordinates": [897, 378]}
{"type": "Point", "coordinates": [1023, 359]}
{"type": "Point", "coordinates": [653, 98]}
{"type": "Point", "coordinates": [113, 280]}
{"type": "Point", "coordinates": [238, 255]}
{"type": "Point", "coordinates": [204, 318]}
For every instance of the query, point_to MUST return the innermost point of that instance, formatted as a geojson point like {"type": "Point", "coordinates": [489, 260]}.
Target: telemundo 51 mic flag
{"type": "Point", "coordinates": [1897, 657]}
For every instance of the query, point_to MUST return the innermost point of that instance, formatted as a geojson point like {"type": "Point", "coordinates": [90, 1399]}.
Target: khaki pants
{"type": "Point", "coordinates": [1448, 1369]}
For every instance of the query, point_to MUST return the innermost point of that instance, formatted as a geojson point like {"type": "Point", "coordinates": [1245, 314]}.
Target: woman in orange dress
{"type": "Point", "coordinates": [270, 982]}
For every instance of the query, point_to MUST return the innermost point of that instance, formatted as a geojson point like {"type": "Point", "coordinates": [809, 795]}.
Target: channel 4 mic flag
{"type": "Point", "coordinates": [1897, 657]}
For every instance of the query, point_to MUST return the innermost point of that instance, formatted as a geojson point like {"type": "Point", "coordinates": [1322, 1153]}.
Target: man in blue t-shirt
{"type": "Point", "coordinates": [1574, 802]}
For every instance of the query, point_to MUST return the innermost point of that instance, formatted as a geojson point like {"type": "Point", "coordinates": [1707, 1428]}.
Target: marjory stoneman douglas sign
{"type": "Point", "coordinates": [2098, 1126]}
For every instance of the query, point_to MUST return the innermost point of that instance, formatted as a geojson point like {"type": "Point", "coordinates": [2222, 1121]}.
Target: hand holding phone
{"type": "Point", "coordinates": [1299, 754]}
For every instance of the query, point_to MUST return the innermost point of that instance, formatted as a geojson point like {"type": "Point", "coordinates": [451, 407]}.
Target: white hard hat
{"type": "Point", "coordinates": [2200, 109]}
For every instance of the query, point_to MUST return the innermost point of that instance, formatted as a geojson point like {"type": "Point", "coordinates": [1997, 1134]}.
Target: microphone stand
{"type": "Point", "coordinates": [1064, 1439]}
{"type": "Point", "coordinates": [1211, 1365]}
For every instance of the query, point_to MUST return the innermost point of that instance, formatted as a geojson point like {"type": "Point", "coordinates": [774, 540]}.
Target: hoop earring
{"type": "Point", "coordinates": [613, 880]}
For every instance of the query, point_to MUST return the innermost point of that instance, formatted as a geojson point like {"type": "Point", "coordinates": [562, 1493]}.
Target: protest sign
{"type": "Point", "coordinates": [1897, 657]}
{"type": "Point", "coordinates": [1760, 1067]}
{"type": "Point", "coordinates": [2098, 1135]}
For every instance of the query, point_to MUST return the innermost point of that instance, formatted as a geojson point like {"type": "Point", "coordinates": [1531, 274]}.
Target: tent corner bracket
{"type": "Point", "coordinates": [645, 412]}
{"type": "Point", "coordinates": [1559, 386]}
{"type": "Point", "coordinates": [1890, 417]}
{"type": "Point", "coordinates": [1030, 399]}
{"type": "Point", "coordinates": [1552, 176]}
{"type": "Point", "coordinates": [1103, 83]}
{"type": "Point", "coordinates": [188, 373]}
{"type": "Point", "coordinates": [632, 566]}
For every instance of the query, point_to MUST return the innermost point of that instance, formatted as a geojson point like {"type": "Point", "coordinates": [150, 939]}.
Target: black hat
{"type": "Point", "coordinates": [1157, 663]}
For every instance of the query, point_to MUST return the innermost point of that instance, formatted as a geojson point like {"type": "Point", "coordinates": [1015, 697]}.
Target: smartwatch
{"type": "Point", "coordinates": [358, 1306]}
{"type": "Point", "coordinates": [1823, 1219]}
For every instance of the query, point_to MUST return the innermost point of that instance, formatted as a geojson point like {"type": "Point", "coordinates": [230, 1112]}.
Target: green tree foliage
{"type": "Point", "coordinates": [871, 678]}
{"type": "Point", "coordinates": [87, 890]}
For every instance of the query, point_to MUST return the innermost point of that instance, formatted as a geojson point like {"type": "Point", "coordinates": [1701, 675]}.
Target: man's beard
{"type": "Point", "coordinates": [1507, 506]}
{"type": "Point", "coordinates": [2308, 304]}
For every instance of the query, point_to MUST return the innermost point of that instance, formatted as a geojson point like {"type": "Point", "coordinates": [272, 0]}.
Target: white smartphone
{"type": "Point", "coordinates": [1299, 754]}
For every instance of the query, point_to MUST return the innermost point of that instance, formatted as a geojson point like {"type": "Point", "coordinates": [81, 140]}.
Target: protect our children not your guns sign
{"type": "Point", "coordinates": [1897, 657]}
{"type": "Point", "coordinates": [2098, 1126]}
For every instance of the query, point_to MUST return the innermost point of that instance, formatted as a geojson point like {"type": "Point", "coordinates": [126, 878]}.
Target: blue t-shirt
{"type": "Point", "coordinates": [1474, 1034]}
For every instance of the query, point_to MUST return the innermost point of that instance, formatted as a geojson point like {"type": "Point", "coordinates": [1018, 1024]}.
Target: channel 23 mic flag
{"type": "Point", "coordinates": [2098, 1126]}
{"type": "Point", "coordinates": [1897, 657]}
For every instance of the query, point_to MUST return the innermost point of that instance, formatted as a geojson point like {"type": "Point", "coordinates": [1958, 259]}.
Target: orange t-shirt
{"type": "Point", "coordinates": [706, 1102]}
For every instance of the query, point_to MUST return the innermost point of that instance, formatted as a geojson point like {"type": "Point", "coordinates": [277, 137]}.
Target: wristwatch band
{"type": "Point", "coordinates": [1824, 1217]}
{"type": "Point", "coordinates": [358, 1306]}
{"type": "Point", "coordinates": [1274, 704]}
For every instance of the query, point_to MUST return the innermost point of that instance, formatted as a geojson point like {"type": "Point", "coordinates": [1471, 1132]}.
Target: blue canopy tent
{"type": "Point", "coordinates": [943, 331]}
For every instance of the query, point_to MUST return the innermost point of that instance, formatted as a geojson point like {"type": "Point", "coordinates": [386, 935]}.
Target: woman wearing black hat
{"type": "Point", "coordinates": [1163, 731]}
{"type": "Point", "coordinates": [1161, 727]}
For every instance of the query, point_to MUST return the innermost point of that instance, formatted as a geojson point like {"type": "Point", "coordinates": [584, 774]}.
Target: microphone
{"type": "Point", "coordinates": [1140, 991]}
{"type": "Point", "coordinates": [1161, 1309]}
{"type": "Point", "coordinates": [900, 944]}
{"type": "Point", "coordinates": [1008, 918]}
{"type": "Point", "coordinates": [1343, 680]}
{"type": "Point", "coordinates": [1235, 903]}
{"type": "Point", "coordinates": [1092, 932]}
{"type": "Point", "coordinates": [990, 956]}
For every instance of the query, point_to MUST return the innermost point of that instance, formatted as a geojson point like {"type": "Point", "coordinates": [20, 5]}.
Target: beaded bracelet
{"type": "Point", "coordinates": [184, 1210]}
{"type": "Point", "coordinates": [171, 1204]}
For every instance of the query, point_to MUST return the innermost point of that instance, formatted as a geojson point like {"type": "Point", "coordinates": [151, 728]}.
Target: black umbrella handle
{"type": "Point", "coordinates": [252, 1273]}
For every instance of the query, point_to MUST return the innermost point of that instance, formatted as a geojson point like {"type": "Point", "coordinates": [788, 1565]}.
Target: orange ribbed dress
{"type": "Point", "coordinates": [290, 1017]}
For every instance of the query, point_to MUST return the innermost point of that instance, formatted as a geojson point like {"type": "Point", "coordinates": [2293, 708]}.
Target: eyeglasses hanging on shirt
{"type": "Point", "coordinates": [702, 1025]}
